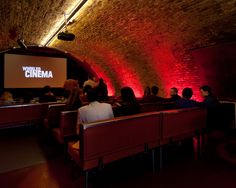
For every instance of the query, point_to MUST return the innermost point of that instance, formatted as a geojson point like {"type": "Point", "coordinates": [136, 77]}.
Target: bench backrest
{"type": "Point", "coordinates": [107, 141]}
{"type": "Point", "coordinates": [53, 114]}
{"type": "Point", "coordinates": [182, 123]}
{"type": "Point", "coordinates": [17, 115]}
{"type": "Point", "coordinates": [68, 121]}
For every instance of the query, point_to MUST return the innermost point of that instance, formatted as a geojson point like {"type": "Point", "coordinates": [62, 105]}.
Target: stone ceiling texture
{"type": "Point", "coordinates": [134, 42]}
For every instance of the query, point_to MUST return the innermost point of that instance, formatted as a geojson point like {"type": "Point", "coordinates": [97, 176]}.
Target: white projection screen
{"type": "Point", "coordinates": [24, 71]}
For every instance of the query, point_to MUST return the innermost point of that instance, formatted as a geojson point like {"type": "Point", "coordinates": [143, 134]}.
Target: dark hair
{"type": "Point", "coordinates": [187, 93]}
{"type": "Point", "coordinates": [101, 80]}
{"type": "Point", "coordinates": [90, 76]}
{"type": "Point", "coordinates": [92, 95]}
{"type": "Point", "coordinates": [46, 89]}
{"type": "Point", "coordinates": [127, 94]}
{"type": "Point", "coordinates": [206, 88]}
{"type": "Point", "coordinates": [155, 90]}
{"type": "Point", "coordinates": [147, 91]}
{"type": "Point", "coordinates": [175, 89]}
{"type": "Point", "coordinates": [87, 88]}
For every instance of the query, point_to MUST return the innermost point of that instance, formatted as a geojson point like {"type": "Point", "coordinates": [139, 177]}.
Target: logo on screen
{"type": "Point", "coordinates": [36, 72]}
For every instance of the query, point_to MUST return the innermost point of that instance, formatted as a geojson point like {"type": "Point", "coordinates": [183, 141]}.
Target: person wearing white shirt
{"type": "Point", "coordinates": [95, 111]}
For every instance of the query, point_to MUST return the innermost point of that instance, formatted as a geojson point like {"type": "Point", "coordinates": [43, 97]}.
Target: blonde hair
{"type": "Point", "coordinates": [7, 96]}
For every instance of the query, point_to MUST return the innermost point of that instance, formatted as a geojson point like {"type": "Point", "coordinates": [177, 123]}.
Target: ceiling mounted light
{"type": "Point", "coordinates": [62, 25]}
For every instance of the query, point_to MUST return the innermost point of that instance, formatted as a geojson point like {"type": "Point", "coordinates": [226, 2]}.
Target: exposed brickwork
{"type": "Point", "coordinates": [133, 42]}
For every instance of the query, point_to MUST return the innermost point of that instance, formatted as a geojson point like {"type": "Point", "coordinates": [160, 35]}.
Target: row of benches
{"type": "Point", "coordinates": [106, 141]}
{"type": "Point", "coordinates": [23, 114]}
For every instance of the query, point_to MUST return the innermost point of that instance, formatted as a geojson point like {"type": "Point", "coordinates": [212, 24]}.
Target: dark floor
{"type": "Point", "coordinates": [180, 168]}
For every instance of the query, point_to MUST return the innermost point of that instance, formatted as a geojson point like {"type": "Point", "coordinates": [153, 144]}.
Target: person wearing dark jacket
{"type": "Point", "coordinates": [186, 101]}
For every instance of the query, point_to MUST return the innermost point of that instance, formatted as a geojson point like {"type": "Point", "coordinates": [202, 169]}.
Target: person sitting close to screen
{"type": "Point", "coordinates": [102, 90]}
{"type": "Point", "coordinates": [92, 112]}
{"type": "Point", "coordinates": [154, 96]}
{"type": "Point", "coordinates": [91, 82]}
{"type": "Point", "coordinates": [6, 98]}
{"type": "Point", "coordinates": [47, 95]}
{"type": "Point", "coordinates": [73, 91]}
{"type": "Point", "coordinates": [186, 101]}
{"type": "Point", "coordinates": [128, 105]}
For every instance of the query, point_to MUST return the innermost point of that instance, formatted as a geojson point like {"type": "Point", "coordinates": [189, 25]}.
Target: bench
{"type": "Point", "coordinates": [67, 126]}
{"type": "Point", "coordinates": [20, 115]}
{"type": "Point", "coordinates": [107, 141]}
{"type": "Point", "coordinates": [53, 115]}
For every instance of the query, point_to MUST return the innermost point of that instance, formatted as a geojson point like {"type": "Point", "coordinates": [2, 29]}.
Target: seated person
{"type": "Point", "coordinates": [95, 111]}
{"type": "Point", "coordinates": [102, 90]}
{"type": "Point", "coordinates": [173, 95]}
{"type": "Point", "coordinates": [154, 96]}
{"type": "Point", "coordinates": [186, 101]}
{"type": "Point", "coordinates": [91, 82]}
{"type": "Point", "coordinates": [47, 95]}
{"type": "Point", "coordinates": [209, 100]}
{"type": "Point", "coordinates": [213, 109]}
{"type": "Point", "coordinates": [6, 98]}
{"type": "Point", "coordinates": [147, 92]}
{"type": "Point", "coordinates": [73, 101]}
{"type": "Point", "coordinates": [128, 105]}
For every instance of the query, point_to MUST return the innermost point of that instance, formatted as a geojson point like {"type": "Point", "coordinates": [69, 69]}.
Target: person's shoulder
{"type": "Point", "coordinates": [83, 108]}
{"type": "Point", "coordinates": [105, 104]}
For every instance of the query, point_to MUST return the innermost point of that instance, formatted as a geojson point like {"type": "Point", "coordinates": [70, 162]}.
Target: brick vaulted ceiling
{"type": "Point", "coordinates": [133, 42]}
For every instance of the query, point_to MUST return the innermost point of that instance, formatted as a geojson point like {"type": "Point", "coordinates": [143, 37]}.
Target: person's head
{"type": "Point", "coordinates": [87, 88]}
{"type": "Point", "coordinates": [46, 89]}
{"type": "Point", "coordinates": [187, 93]}
{"type": "Point", "coordinates": [155, 90]}
{"type": "Point", "coordinates": [127, 94]}
{"type": "Point", "coordinates": [6, 96]}
{"type": "Point", "coordinates": [173, 91]}
{"type": "Point", "coordinates": [147, 91]}
{"type": "Point", "coordinates": [205, 91]}
{"type": "Point", "coordinates": [92, 95]}
{"type": "Point", "coordinates": [101, 81]}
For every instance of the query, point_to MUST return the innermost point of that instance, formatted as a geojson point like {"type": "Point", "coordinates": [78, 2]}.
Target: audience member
{"type": "Point", "coordinates": [102, 90]}
{"type": "Point", "coordinates": [154, 96]}
{"type": "Point", "coordinates": [91, 82]}
{"type": "Point", "coordinates": [213, 108]}
{"type": "Point", "coordinates": [209, 100]}
{"type": "Point", "coordinates": [147, 91]}
{"type": "Point", "coordinates": [186, 101]}
{"type": "Point", "coordinates": [174, 94]}
{"type": "Point", "coordinates": [92, 112]}
{"type": "Point", "coordinates": [6, 98]}
{"type": "Point", "coordinates": [73, 91]}
{"type": "Point", "coordinates": [47, 95]}
{"type": "Point", "coordinates": [129, 104]}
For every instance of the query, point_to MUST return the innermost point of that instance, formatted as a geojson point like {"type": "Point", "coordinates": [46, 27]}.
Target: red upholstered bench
{"type": "Point", "coordinates": [181, 124]}
{"type": "Point", "coordinates": [107, 141]}
{"type": "Point", "coordinates": [67, 126]}
{"type": "Point", "coordinates": [53, 115]}
{"type": "Point", "coordinates": [20, 115]}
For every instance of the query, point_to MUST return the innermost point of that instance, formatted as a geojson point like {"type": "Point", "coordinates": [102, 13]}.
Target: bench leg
{"type": "Point", "coordinates": [153, 161]}
{"type": "Point", "coordinates": [86, 179]}
{"type": "Point", "coordinates": [161, 157]}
